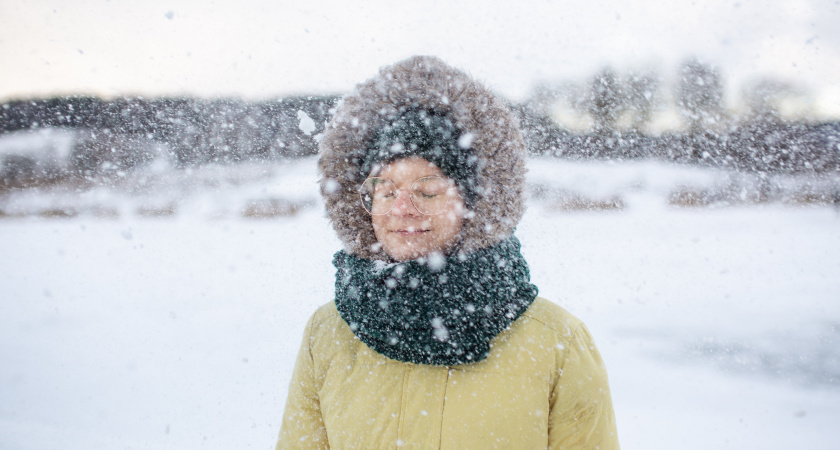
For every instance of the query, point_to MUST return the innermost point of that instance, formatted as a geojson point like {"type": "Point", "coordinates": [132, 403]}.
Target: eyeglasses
{"type": "Point", "coordinates": [430, 195]}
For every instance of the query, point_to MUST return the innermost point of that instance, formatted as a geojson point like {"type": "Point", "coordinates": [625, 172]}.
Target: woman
{"type": "Point", "coordinates": [436, 338]}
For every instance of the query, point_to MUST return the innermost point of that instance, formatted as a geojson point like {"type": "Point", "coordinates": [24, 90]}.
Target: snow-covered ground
{"type": "Point", "coordinates": [720, 327]}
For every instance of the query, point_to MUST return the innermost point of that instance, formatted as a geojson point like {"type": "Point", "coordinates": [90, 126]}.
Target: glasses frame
{"type": "Point", "coordinates": [410, 197]}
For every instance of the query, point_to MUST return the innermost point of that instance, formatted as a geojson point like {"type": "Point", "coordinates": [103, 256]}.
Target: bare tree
{"type": "Point", "coordinates": [765, 96]}
{"type": "Point", "coordinates": [641, 96]}
{"type": "Point", "coordinates": [700, 95]}
{"type": "Point", "coordinates": [605, 100]}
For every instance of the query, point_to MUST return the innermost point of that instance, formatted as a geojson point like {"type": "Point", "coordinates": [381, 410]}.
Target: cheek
{"type": "Point", "coordinates": [456, 215]}
{"type": "Point", "coordinates": [377, 221]}
{"type": "Point", "coordinates": [450, 224]}
{"type": "Point", "coordinates": [378, 225]}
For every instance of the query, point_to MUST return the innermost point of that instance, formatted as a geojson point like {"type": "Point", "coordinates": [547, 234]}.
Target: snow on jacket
{"type": "Point", "coordinates": [544, 385]}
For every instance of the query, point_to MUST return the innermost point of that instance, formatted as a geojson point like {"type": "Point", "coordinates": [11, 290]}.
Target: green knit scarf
{"type": "Point", "coordinates": [436, 310]}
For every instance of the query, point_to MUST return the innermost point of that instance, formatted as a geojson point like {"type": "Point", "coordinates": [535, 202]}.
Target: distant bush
{"type": "Point", "coordinates": [108, 154]}
{"type": "Point", "coordinates": [17, 170]}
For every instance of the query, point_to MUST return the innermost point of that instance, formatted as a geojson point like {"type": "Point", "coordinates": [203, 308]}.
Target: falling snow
{"type": "Point", "coordinates": [720, 322]}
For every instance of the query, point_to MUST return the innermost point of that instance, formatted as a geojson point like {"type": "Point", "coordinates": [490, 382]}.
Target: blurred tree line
{"type": "Point", "coordinates": [121, 134]}
{"type": "Point", "coordinates": [195, 131]}
{"type": "Point", "coordinates": [620, 107]}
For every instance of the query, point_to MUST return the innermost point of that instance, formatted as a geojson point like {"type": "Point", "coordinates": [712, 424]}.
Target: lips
{"type": "Point", "coordinates": [409, 232]}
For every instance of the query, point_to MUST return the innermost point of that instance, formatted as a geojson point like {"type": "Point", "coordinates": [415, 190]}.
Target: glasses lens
{"type": "Point", "coordinates": [378, 195]}
{"type": "Point", "coordinates": [431, 195]}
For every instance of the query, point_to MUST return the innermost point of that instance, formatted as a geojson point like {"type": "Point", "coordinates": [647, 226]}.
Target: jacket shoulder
{"type": "Point", "coordinates": [552, 316]}
{"type": "Point", "coordinates": [325, 313]}
{"type": "Point", "coordinates": [328, 335]}
{"type": "Point", "coordinates": [326, 325]}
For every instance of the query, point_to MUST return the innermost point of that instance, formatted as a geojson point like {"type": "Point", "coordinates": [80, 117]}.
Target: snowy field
{"type": "Point", "coordinates": [720, 326]}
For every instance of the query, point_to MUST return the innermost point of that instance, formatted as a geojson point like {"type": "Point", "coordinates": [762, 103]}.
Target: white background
{"type": "Point", "coordinates": [264, 49]}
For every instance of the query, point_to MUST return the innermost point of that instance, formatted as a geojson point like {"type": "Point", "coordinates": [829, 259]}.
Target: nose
{"type": "Point", "coordinates": [403, 205]}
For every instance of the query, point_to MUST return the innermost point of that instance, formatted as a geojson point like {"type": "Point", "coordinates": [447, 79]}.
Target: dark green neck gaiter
{"type": "Point", "coordinates": [436, 310]}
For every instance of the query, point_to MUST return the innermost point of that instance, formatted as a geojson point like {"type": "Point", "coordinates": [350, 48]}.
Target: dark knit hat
{"type": "Point", "coordinates": [432, 137]}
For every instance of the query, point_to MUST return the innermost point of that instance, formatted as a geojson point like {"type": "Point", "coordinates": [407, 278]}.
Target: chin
{"type": "Point", "coordinates": [405, 251]}
{"type": "Point", "coordinates": [406, 255]}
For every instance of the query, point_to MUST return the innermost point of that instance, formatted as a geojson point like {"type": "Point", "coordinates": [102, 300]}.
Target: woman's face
{"type": "Point", "coordinates": [406, 233]}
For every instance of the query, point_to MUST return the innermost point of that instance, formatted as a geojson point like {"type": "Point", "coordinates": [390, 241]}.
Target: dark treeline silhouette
{"type": "Point", "coordinates": [118, 135]}
{"type": "Point", "coordinates": [620, 107]}
{"type": "Point", "coordinates": [195, 131]}
{"type": "Point", "coordinates": [769, 146]}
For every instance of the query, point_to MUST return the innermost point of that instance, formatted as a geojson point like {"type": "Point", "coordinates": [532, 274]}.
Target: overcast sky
{"type": "Point", "coordinates": [259, 49]}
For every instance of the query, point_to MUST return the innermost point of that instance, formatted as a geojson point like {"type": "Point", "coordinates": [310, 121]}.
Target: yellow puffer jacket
{"type": "Point", "coordinates": [544, 385]}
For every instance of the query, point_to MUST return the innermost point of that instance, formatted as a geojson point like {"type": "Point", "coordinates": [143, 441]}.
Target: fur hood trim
{"type": "Point", "coordinates": [428, 83]}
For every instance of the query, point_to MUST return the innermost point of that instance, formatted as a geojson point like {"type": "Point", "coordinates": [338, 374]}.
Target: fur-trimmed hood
{"type": "Point", "coordinates": [424, 82]}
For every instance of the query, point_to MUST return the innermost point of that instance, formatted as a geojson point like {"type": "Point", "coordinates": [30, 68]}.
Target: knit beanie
{"type": "Point", "coordinates": [432, 137]}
